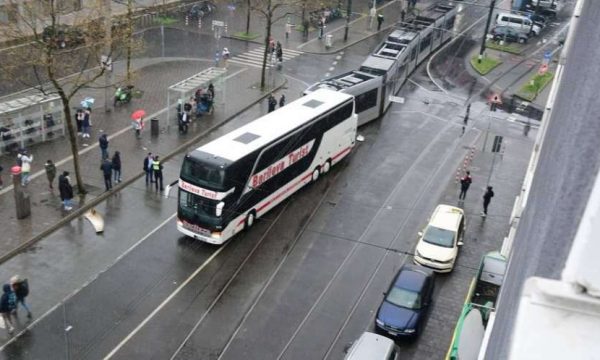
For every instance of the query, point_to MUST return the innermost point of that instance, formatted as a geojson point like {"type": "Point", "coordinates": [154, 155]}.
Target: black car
{"type": "Point", "coordinates": [406, 304]}
{"type": "Point", "coordinates": [63, 36]}
{"type": "Point", "coordinates": [509, 34]}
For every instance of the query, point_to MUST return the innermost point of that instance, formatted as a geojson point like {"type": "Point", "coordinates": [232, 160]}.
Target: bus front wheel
{"type": "Point", "coordinates": [250, 218]}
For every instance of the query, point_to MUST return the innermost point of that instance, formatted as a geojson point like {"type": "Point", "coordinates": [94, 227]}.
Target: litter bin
{"type": "Point", "coordinates": [154, 129]}
{"type": "Point", "coordinates": [328, 40]}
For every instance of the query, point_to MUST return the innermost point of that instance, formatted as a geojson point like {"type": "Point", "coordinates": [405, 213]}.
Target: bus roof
{"type": "Point", "coordinates": [254, 135]}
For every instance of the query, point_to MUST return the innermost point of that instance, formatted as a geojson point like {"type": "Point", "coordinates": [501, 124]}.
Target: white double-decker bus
{"type": "Point", "coordinates": [225, 185]}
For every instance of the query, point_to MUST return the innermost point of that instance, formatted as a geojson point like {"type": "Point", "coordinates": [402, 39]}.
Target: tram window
{"type": "Point", "coordinates": [450, 23]}
{"type": "Point", "coordinates": [366, 100]}
{"type": "Point", "coordinates": [413, 53]}
{"type": "Point", "coordinates": [425, 42]}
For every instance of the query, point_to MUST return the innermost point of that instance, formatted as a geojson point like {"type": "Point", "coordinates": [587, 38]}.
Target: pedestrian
{"type": "Point", "coordinates": [8, 304]}
{"type": "Point", "coordinates": [85, 125]}
{"type": "Point", "coordinates": [116, 166]}
{"type": "Point", "coordinates": [21, 290]}
{"type": "Point", "coordinates": [88, 113]}
{"type": "Point", "coordinates": [225, 55]}
{"type": "Point", "coordinates": [103, 143]}
{"type": "Point", "coordinates": [305, 28]}
{"type": "Point", "coordinates": [288, 30]}
{"type": "Point", "coordinates": [321, 27]}
{"type": "Point", "coordinates": [282, 100]}
{"type": "Point", "coordinates": [487, 197]}
{"type": "Point", "coordinates": [211, 90]}
{"type": "Point", "coordinates": [272, 103]}
{"type": "Point", "coordinates": [279, 52]}
{"type": "Point", "coordinates": [402, 15]}
{"type": "Point", "coordinates": [106, 168]}
{"type": "Point", "coordinates": [138, 126]}
{"type": "Point", "coordinates": [50, 172]}
{"type": "Point", "coordinates": [25, 166]}
{"type": "Point", "coordinates": [379, 21]}
{"type": "Point", "coordinates": [66, 190]}
{"type": "Point", "coordinates": [148, 168]}
{"type": "Point", "coordinates": [465, 182]}
{"type": "Point", "coordinates": [79, 119]}
{"type": "Point", "coordinates": [157, 167]}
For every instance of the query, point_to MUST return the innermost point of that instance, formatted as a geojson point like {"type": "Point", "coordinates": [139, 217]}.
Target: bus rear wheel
{"type": "Point", "coordinates": [250, 219]}
{"type": "Point", "coordinates": [326, 167]}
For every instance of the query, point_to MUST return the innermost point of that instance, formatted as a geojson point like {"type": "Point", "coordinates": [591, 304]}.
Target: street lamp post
{"type": "Point", "coordinates": [487, 28]}
{"type": "Point", "coordinates": [348, 12]}
{"type": "Point", "coordinates": [108, 54]}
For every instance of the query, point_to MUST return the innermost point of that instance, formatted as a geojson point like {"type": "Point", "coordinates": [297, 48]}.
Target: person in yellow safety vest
{"type": "Point", "coordinates": [157, 169]}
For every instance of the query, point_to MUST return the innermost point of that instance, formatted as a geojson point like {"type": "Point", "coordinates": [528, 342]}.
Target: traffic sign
{"type": "Point", "coordinates": [547, 55]}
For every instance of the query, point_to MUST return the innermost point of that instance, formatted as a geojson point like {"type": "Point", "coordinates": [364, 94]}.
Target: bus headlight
{"type": "Point", "coordinates": [219, 208]}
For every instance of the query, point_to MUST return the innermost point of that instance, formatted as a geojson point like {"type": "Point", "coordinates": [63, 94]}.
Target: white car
{"type": "Point", "coordinates": [438, 243]}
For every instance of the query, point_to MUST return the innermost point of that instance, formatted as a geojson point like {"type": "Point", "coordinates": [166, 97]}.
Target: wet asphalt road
{"type": "Point", "coordinates": [302, 284]}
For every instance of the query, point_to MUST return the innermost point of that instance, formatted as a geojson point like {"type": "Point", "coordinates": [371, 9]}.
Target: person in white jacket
{"type": "Point", "coordinates": [25, 167]}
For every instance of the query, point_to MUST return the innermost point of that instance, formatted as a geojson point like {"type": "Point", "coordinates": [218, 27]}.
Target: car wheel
{"type": "Point", "coordinates": [522, 41]}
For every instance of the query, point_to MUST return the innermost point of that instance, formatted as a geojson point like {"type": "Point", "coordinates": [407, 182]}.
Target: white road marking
{"type": "Point", "coordinates": [166, 301]}
{"type": "Point", "coordinates": [32, 324]}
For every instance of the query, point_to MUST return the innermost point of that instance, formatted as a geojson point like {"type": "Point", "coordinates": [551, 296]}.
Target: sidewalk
{"type": "Point", "coordinates": [154, 78]}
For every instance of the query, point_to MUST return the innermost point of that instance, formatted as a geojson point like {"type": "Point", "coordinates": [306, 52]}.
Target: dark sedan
{"type": "Point", "coordinates": [406, 303]}
{"type": "Point", "coordinates": [508, 34]}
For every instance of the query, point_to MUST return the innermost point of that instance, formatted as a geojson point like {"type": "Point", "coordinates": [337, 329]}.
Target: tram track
{"type": "Point", "coordinates": [345, 262]}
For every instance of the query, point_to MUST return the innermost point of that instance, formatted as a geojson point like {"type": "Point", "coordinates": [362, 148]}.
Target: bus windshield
{"type": "Point", "coordinates": [203, 174]}
{"type": "Point", "coordinates": [196, 207]}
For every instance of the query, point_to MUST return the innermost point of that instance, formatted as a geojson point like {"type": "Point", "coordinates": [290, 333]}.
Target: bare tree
{"type": "Point", "coordinates": [62, 55]}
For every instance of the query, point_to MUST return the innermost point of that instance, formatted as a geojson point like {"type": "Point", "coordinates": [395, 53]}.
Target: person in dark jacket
{"type": "Point", "coordinates": [465, 182]}
{"type": "Point", "coordinates": [86, 123]}
{"type": "Point", "coordinates": [21, 289]}
{"type": "Point", "coordinates": [279, 52]}
{"type": "Point", "coordinates": [66, 190]}
{"type": "Point", "coordinates": [106, 168]}
{"type": "Point", "coordinates": [103, 143]}
{"type": "Point", "coordinates": [50, 172]}
{"type": "Point", "coordinates": [8, 304]}
{"type": "Point", "coordinates": [272, 103]}
{"type": "Point", "coordinates": [116, 166]}
{"type": "Point", "coordinates": [487, 197]}
{"type": "Point", "coordinates": [282, 100]}
{"type": "Point", "coordinates": [148, 168]}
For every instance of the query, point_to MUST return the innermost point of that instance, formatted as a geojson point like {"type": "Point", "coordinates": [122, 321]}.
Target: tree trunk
{"type": "Point", "coordinates": [72, 140]}
{"type": "Point", "coordinates": [267, 38]}
{"type": "Point", "coordinates": [129, 38]}
{"type": "Point", "coordinates": [248, 19]}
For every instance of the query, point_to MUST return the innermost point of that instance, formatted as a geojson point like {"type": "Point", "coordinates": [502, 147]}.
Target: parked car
{"type": "Point", "coordinates": [508, 34]}
{"type": "Point", "coordinates": [406, 304]}
{"type": "Point", "coordinates": [371, 346]}
{"type": "Point", "coordinates": [538, 20]}
{"type": "Point", "coordinates": [63, 36]}
{"type": "Point", "coordinates": [438, 243]}
{"type": "Point", "coordinates": [518, 22]}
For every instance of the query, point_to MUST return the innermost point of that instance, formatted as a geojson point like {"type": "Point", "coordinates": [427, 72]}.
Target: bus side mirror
{"type": "Point", "coordinates": [420, 234]}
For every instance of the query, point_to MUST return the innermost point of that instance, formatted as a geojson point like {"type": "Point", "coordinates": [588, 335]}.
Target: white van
{"type": "Point", "coordinates": [370, 346]}
{"type": "Point", "coordinates": [519, 22]}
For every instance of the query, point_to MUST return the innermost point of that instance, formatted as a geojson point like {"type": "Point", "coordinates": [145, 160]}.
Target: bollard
{"type": "Point", "coordinates": [22, 201]}
{"type": "Point", "coordinates": [328, 40]}
{"type": "Point", "coordinates": [154, 127]}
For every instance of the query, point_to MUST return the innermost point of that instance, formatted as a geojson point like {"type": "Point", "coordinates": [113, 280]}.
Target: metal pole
{"type": "Point", "coordinates": [487, 28]}
{"type": "Point", "coordinates": [348, 12]}
{"type": "Point", "coordinates": [491, 170]}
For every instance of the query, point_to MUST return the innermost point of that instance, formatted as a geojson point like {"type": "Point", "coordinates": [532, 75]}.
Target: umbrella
{"type": "Point", "coordinates": [87, 102]}
{"type": "Point", "coordinates": [138, 114]}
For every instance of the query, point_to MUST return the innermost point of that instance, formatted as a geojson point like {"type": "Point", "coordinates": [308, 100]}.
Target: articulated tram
{"type": "Point", "coordinates": [384, 72]}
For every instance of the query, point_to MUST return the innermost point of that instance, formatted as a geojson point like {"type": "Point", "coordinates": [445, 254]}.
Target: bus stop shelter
{"type": "Point", "coordinates": [186, 89]}
{"type": "Point", "coordinates": [30, 120]}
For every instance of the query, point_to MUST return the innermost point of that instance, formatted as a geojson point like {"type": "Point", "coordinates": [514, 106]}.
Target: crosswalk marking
{"type": "Point", "coordinates": [254, 57]}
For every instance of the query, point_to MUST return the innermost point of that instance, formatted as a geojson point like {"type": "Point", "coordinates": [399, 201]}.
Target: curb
{"type": "Point", "coordinates": [95, 201]}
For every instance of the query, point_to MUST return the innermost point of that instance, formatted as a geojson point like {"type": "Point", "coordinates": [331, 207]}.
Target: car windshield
{"type": "Point", "coordinates": [404, 298]}
{"type": "Point", "coordinates": [440, 237]}
{"type": "Point", "coordinates": [203, 174]}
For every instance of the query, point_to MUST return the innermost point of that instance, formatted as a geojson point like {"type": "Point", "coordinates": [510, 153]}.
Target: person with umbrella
{"type": "Point", "coordinates": [138, 122]}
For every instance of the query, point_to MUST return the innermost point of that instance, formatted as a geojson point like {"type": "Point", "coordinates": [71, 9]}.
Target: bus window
{"type": "Point", "coordinates": [207, 175]}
